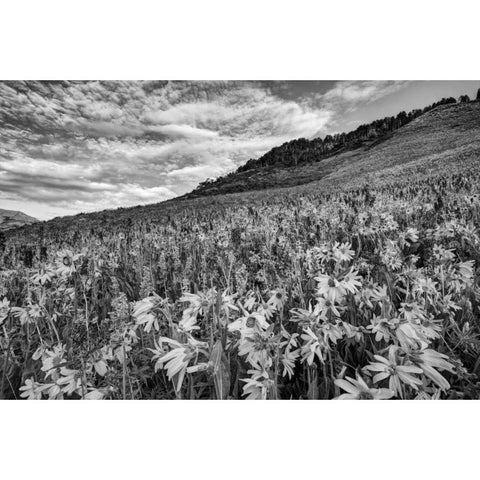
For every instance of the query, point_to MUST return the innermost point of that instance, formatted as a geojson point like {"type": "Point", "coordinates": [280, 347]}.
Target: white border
{"type": "Point", "coordinates": [372, 39]}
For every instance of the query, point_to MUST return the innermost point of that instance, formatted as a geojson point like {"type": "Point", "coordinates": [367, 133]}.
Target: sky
{"type": "Point", "coordinates": [68, 147]}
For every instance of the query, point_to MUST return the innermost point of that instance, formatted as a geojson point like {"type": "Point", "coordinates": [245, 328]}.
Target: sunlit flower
{"type": "Point", "coordinates": [395, 372]}
{"type": "Point", "coordinates": [329, 287]}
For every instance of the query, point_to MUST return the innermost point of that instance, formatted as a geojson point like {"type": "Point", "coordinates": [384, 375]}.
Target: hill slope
{"type": "Point", "coordinates": [12, 219]}
{"type": "Point", "coordinates": [440, 134]}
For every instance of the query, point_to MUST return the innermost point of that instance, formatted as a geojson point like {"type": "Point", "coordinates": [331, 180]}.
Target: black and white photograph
{"type": "Point", "coordinates": [240, 239]}
{"type": "Point", "coordinates": [207, 204]}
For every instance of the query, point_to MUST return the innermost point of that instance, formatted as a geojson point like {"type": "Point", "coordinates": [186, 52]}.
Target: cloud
{"type": "Point", "coordinates": [355, 92]}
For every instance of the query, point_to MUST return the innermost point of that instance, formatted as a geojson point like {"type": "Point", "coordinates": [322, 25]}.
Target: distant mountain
{"type": "Point", "coordinates": [11, 219]}
{"type": "Point", "coordinates": [434, 130]}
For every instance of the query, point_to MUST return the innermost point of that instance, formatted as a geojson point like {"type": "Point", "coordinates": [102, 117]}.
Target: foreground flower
{"type": "Point", "coordinates": [359, 390]}
{"type": "Point", "coordinates": [428, 361]}
{"type": "Point", "coordinates": [397, 373]}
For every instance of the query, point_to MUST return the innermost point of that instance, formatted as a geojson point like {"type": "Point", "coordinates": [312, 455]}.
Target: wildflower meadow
{"type": "Point", "coordinates": [367, 290]}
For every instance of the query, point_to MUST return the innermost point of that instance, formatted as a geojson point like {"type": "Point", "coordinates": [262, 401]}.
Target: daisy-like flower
{"type": "Point", "coordinates": [313, 346]}
{"type": "Point", "coordinates": [331, 331]}
{"type": "Point", "coordinates": [258, 349]}
{"type": "Point", "coordinates": [396, 372]}
{"type": "Point", "coordinates": [66, 262]}
{"type": "Point", "coordinates": [382, 328]}
{"type": "Point", "coordinates": [324, 306]}
{"type": "Point", "coordinates": [429, 361]}
{"type": "Point", "coordinates": [52, 360]}
{"type": "Point", "coordinates": [289, 357]}
{"type": "Point", "coordinates": [267, 310]}
{"type": "Point", "coordinates": [425, 286]}
{"type": "Point", "coordinates": [412, 311]}
{"type": "Point", "coordinates": [329, 287]}
{"type": "Point", "coordinates": [442, 254]}
{"type": "Point", "coordinates": [359, 390]}
{"type": "Point", "coordinates": [305, 318]}
{"type": "Point", "coordinates": [249, 323]}
{"type": "Point", "coordinates": [44, 275]}
{"type": "Point", "coordinates": [343, 252]}
{"type": "Point", "coordinates": [351, 281]}
{"type": "Point", "coordinates": [277, 299]}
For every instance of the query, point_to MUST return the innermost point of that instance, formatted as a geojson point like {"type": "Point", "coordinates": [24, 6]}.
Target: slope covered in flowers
{"type": "Point", "coordinates": [366, 290]}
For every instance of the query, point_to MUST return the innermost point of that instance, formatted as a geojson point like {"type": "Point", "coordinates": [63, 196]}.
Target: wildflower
{"type": "Point", "coordinates": [324, 306]}
{"type": "Point", "coordinates": [277, 300]}
{"type": "Point", "coordinates": [382, 328]}
{"type": "Point", "coordinates": [359, 390]}
{"type": "Point", "coordinates": [412, 311]}
{"type": "Point", "coordinates": [329, 287]}
{"type": "Point", "coordinates": [442, 254]}
{"type": "Point", "coordinates": [313, 346]}
{"type": "Point", "coordinates": [429, 360]}
{"type": "Point", "coordinates": [71, 380]}
{"type": "Point", "coordinates": [351, 281]}
{"type": "Point", "coordinates": [66, 262]}
{"type": "Point", "coordinates": [304, 317]}
{"type": "Point", "coordinates": [342, 252]}
{"type": "Point", "coordinates": [288, 358]}
{"type": "Point", "coordinates": [258, 385]}
{"type": "Point", "coordinates": [394, 371]}
{"type": "Point", "coordinates": [31, 390]}
{"type": "Point", "coordinates": [52, 360]}
{"type": "Point", "coordinates": [142, 312]}
{"type": "Point", "coordinates": [425, 286]}
{"type": "Point", "coordinates": [257, 348]}
{"type": "Point", "coordinates": [176, 361]}
{"type": "Point", "coordinates": [249, 322]}
{"type": "Point", "coordinates": [267, 310]}
{"type": "Point", "coordinates": [44, 275]}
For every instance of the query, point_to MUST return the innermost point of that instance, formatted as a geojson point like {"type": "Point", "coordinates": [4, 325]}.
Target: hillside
{"type": "Point", "coordinates": [11, 219]}
{"type": "Point", "coordinates": [441, 133]}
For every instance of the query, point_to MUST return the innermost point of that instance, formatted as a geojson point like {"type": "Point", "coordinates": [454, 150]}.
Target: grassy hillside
{"type": "Point", "coordinates": [439, 135]}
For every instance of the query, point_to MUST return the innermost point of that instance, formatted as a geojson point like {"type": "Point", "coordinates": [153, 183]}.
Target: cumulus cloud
{"type": "Point", "coordinates": [67, 147]}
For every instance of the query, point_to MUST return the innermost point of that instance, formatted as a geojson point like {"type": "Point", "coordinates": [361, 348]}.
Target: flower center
{"type": "Point", "coordinates": [251, 322]}
{"type": "Point", "coordinates": [365, 395]}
